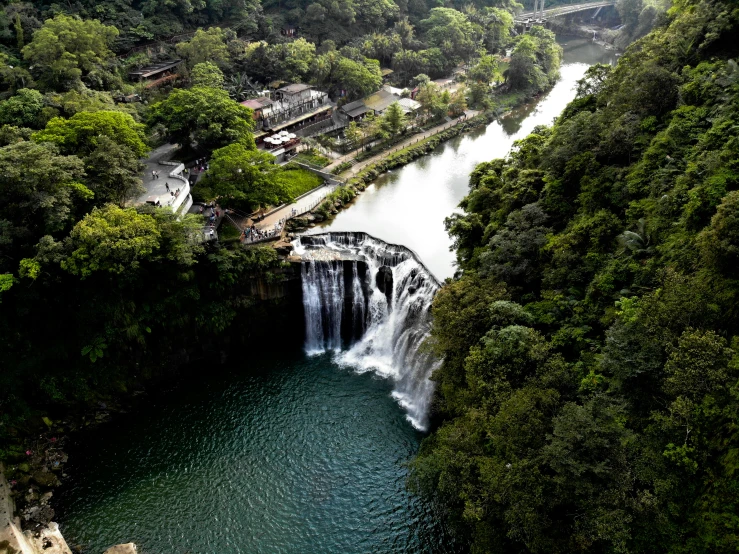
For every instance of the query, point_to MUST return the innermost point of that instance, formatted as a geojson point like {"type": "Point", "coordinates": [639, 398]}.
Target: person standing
{"type": "Point", "coordinates": [167, 185]}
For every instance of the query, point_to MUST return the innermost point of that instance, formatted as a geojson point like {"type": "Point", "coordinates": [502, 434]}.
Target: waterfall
{"type": "Point", "coordinates": [370, 302]}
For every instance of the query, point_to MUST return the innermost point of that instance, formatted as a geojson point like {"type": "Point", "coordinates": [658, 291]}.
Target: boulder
{"type": "Point", "coordinates": [384, 281]}
{"type": "Point", "coordinates": [128, 548]}
{"type": "Point", "coordinates": [46, 479]}
{"type": "Point", "coordinates": [284, 248]}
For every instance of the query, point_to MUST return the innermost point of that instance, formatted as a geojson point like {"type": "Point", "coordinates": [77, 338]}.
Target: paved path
{"type": "Point", "coordinates": [302, 205]}
{"type": "Point", "coordinates": [156, 187]}
{"type": "Point", "coordinates": [356, 168]}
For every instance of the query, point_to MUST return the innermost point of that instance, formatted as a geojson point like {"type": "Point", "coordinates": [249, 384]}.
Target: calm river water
{"type": "Point", "coordinates": [408, 206]}
{"type": "Point", "coordinates": [290, 454]}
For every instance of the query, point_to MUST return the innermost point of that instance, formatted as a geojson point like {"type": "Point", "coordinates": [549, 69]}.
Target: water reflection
{"type": "Point", "coordinates": [408, 206]}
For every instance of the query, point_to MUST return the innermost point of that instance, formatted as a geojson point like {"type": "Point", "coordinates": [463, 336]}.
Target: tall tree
{"type": "Point", "coordinates": [206, 46]}
{"type": "Point", "coordinates": [206, 116]}
{"type": "Point", "coordinates": [66, 48]}
{"type": "Point", "coordinates": [81, 133]}
{"type": "Point", "coordinates": [394, 119]}
{"type": "Point", "coordinates": [244, 178]}
{"type": "Point", "coordinates": [113, 172]}
{"type": "Point", "coordinates": [206, 74]}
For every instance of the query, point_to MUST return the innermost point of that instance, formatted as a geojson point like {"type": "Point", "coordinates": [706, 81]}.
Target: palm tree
{"type": "Point", "coordinates": [636, 242]}
{"type": "Point", "coordinates": [240, 87]}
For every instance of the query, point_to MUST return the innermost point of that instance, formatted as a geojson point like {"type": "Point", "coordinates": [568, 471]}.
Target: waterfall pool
{"type": "Point", "coordinates": [291, 454]}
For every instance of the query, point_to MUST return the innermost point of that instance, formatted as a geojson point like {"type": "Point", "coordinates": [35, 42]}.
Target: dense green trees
{"type": "Point", "coordinates": [588, 390]}
{"type": "Point", "coordinates": [82, 132]}
{"type": "Point", "coordinates": [203, 115]}
{"type": "Point", "coordinates": [67, 48]}
{"type": "Point", "coordinates": [206, 46]}
{"type": "Point", "coordinates": [244, 178]}
{"type": "Point", "coordinates": [535, 61]}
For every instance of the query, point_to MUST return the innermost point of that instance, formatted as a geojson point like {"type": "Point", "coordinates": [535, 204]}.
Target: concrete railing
{"type": "Point", "coordinates": [329, 188]}
{"type": "Point", "coordinates": [183, 199]}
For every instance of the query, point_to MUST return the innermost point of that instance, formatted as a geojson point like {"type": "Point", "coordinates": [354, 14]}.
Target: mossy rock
{"type": "Point", "coordinates": [46, 479]}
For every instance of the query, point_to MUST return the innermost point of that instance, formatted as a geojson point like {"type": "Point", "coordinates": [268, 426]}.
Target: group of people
{"type": "Point", "coordinates": [174, 193]}
{"type": "Point", "coordinates": [252, 234]}
{"type": "Point", "coordinates": [202, 164]}
{"type": "Point", "coordinates": [155, 174]}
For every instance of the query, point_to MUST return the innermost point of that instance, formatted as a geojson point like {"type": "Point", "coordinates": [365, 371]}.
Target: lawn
{"type": "Point", "coordinates": [312, 158]}
{"type": "Point", "coordinates": [299, 181]}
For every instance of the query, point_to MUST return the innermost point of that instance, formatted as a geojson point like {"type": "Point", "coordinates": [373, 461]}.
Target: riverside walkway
{"type": "Point", "coordinates": [302, 205]}
{"type": "Point", "coordinates": [356, 168]}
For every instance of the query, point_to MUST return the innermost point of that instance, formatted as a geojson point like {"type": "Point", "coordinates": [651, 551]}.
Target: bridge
{"type": "Point", "coordinates": [539, 15]}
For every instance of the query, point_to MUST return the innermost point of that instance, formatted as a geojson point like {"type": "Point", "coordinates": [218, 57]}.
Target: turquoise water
{"type": "Point", "coordinates": [288, 455]}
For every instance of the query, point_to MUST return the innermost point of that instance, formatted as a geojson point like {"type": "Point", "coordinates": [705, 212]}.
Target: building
{"type": "Point", "coordinates": [295, 93]}
{"type": "Point", "coordinates": [394, 90]}
{"type": "Point", "coordinates": [378, 103]}
{"type": "Point", "coordinates": [409, 106]}
{"type": "Point", "coordinates": [262, 106]}
{"type": "Point", "coordinates": [294, 106]}
{"type": "Point", "coordinates": [355, 110]}
{"type": "Point", "coordinates": [155, 71]}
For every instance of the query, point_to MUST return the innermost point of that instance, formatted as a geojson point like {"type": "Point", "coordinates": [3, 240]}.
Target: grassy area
{"type": "Point", "coordinates": [299, 181]}
{"type": "Point", "coordinates": [312, 158]}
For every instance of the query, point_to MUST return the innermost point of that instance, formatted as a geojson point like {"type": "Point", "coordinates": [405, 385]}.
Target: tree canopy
{"type": "Point", "coordinates": [65, 48]}
{"type": "Point", "coordinates": [587, 395]}
{"type": "Point", "coordinates": [244, 178]}
{"type": "Point", "coordinates": [81, 133]}
{"type": "Point", "coordinates": [204, 115]}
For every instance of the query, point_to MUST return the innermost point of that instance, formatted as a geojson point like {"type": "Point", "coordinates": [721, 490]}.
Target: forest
{"type": "Point", "coordinates": [97, 295]}
{"type": "Point", "coordinates": [589, 395]}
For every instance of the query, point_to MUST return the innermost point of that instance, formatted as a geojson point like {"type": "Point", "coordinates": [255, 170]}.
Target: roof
{"type": "Point", "coordinates": [356, 112]}
{"type": "Point", "coordinates": [386, 71]}
{"type": "Point", "coordinates": [409, 105]}
{"type": "Point", "coordinates": [380, 100]}
{"type": "Point", "coordinates": [393, 90]}
{"type": "Point", "coordinates": [154, 69]}
{"type": "Point", "coordinates": [294, 88]}
{"type": "Point", "coordinates": [257, 103]}
{"type": "Point", "coordinates": [352, 105]}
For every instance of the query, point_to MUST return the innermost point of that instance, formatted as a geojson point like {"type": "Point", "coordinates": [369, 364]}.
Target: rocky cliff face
{"type": "Point", "coordinates": [47, 539]}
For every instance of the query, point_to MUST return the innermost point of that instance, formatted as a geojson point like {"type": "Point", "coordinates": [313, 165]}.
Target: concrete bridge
{"type": "Point", "coordinates": [539, 15]}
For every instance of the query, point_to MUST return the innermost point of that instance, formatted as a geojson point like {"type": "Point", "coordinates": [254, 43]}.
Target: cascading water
{"type": "Point", "coordinates": [370, 302]}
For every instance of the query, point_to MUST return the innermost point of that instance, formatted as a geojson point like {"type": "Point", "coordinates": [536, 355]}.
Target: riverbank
{"type": "Point", "coordinates": [48, 540]}
{"type": "Point", "coordinates": [360, 176]}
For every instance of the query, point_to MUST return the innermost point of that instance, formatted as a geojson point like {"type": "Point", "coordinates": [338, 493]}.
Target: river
{"type": "Point", "coordinates": [289, 453]}
{"type": "Point", "coordinates": [408, 206]}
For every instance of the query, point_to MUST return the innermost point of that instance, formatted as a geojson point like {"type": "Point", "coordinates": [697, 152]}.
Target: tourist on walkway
{"type": "Point", "coordinates": [167, 185]}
